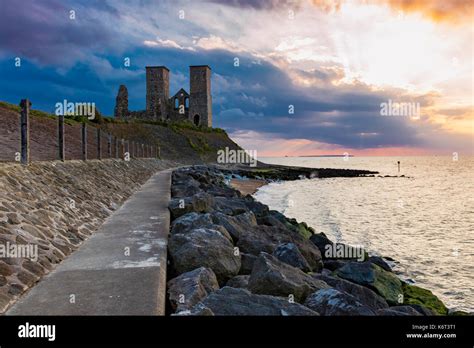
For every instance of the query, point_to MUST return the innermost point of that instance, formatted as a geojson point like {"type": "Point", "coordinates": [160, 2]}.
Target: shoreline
{"type": "Point", "coordinates": [238, 250]}
{"type": "Point", "coordinates": [247, 186]}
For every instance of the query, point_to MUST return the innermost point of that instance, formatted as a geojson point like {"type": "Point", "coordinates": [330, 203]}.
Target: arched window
{"type": "Point", "coordinates": [196, 120]}
{"type": "Point", "coordinates": [176, 103]}
{"type": "Point", "coordinates": [186, 103]}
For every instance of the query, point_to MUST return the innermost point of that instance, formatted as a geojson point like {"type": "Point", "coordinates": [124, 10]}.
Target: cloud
{"type": "Point", "coordinates": [214, 42]}
{"type": "Point", "coordinates": [438, 10]}
{"type": "Point", "coordinates": [165, 43]}
{"type": "Point", "coordinates": [44, 31]}
{"type": "Point", "coordinates": [257, 4]}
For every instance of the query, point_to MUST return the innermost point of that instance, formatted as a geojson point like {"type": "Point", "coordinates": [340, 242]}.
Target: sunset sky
{"type": "Point", "coordinates": [335, 62]}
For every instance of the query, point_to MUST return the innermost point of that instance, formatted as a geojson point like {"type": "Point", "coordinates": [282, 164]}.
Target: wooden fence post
{"type": "Point", "coordinates": [25, 131]}
{"type": "Point", "coordinates": [99, 144]}
{"type": "Point", "coordinates": [61, 148]}
{"type": "Point", "coordinates": [116, 147]}
{"type": "Point", "coordinates": [122, 148]}
{"type": "Point", "coordinates": [109, 145]}
{"type": "Point", "coordinates": [84, 141]}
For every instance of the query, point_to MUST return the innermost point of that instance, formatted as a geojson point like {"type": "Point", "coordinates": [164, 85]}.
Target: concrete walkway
{"type": "Point", "coordinates": [120, 270]}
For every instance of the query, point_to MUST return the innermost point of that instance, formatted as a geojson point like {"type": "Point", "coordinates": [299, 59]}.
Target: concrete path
{"type": "Point", "coordinates": [120, 270]}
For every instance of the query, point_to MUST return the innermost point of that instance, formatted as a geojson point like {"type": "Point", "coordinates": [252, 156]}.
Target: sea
{"type": "Point", "coordinates": [424, 220]}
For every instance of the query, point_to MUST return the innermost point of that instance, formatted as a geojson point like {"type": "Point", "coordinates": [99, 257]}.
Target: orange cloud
{"type": "Point", "coordinates": [438, 10]}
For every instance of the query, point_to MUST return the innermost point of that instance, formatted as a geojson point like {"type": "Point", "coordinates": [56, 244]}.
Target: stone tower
{"type": "Point", "coordinates": [121, 103]}
{"type": "Point", "coordinates": [200, 99]}
{"type": "Point", "coordinates": [157, 92]}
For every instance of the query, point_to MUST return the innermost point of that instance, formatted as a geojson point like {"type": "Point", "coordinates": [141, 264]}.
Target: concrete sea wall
{"type": "Point", "coordinates": [47, 209]}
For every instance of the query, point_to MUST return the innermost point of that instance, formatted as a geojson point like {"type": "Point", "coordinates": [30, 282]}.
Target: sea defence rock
{"type": "Point", "coordinates": [200, 202]}
{"type": "Point", "coordinates": [290, 254]}
{"type": "Point", "coordinates": [334, 302]}
{"type": "Point", "coordinates": [273, 277]}
{"type": "Point", "coordinates": [232, 301]}
{"type": "Point", "coordinates": [204, 247]}
{"type": "Point", "coordinates": [368, 274]}
{"type": "Point", "coordinates": [399, 311]}
{"type": "Point", "coordinates": [414, 295]}
{"type": "Point", "coordinates": [187, 222]}
{"type": "Point", "coordinates": [191, 287]}
{"type": "Point", "coordinates": [267, 263]}
{"type": "Point", "coordinates": [363, 294]}
{"type": "Point", "coordinates": [240, 281]}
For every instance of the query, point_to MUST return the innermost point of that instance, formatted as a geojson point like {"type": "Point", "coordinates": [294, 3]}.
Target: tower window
{"type": "Point", "coordinates": [196, 120]}
{"type": "Point", "coordinates": [176, 103]}
{"type": "Point", "coordinates": [186, 102]}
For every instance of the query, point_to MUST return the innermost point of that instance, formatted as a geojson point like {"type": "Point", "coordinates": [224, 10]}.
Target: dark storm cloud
{"type": "Point", "coordinates": [44, 32]}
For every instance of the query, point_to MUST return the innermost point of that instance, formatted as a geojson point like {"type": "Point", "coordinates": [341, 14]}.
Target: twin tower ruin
{"type": "Point", "coordinates": [195, 106]}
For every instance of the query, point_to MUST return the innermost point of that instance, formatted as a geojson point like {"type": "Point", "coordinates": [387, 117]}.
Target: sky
{"type": "Point", "coordinates": [288, 77]}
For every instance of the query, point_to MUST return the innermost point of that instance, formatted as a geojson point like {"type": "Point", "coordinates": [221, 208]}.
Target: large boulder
{"type": "Point", "coordinates": [267, 238]}
{"type": "Point", "coordinates": [239, 281]}
{"type": "Point", "coordinates": [200, 203]}
{"type": "Point", "coordinates": [414, 295]}
{"type": "Point", "coordinates": [363, 294]}
{"type": "Point", "coordinates": [184, 187]}
{"type": "Point", "coordinates": [235, 225]}
{"type": "Point", "coordinates": [259, 209]}
{"type": "Point", "coordinates": [204, 247]}
{"type": "Point", "coordinates": [190, 221]}
{"type": "Point", "coordinates": [272, 277]}
{"type": "Point", "coordinates": [379, 261]}
{"type": "Point", "coordinates": [321, 241]}
{"type": "Point", "coordinates": [290, 254]}
{"type": "Point", "coordinates": [238, 302]}
{"type": "Point", "coordinates": [230, 206]}
{"type": "Point", "coordinates": [386, 284]}
{"type": "Point", "coordinates": [247, 262]}
{"type": "Point", "coordinates": [191, 287]}
{"type": "Point", "coordinates": [335, 302]}
{"type": "Point", "coordinates": [399, 311]}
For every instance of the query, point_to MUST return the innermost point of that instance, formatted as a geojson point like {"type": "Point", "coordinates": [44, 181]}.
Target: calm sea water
{"type": "Point", "coordinates": [424, 221]}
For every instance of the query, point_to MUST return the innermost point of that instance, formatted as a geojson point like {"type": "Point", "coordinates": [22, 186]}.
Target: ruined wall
{"type": "Point", "coordinates": [121, 103]}
{"type": "Point", "coordinates": [159, 106]}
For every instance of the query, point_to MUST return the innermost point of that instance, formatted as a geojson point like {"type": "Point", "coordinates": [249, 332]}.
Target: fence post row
{"type": "Point", "coordinates": [133, 148]}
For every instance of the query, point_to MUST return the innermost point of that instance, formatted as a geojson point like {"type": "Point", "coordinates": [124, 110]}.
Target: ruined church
{"type": "Point", "coordinates": [195, 106]}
